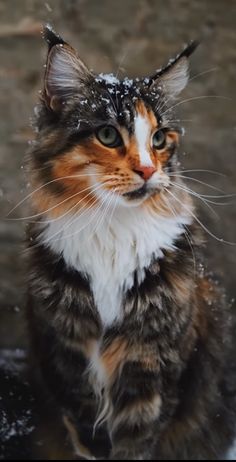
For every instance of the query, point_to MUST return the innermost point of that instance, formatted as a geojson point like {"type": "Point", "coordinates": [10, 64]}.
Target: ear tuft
{"type": "Point", "coordinates": [189, 49]}
{"type": "Point", "coordinates": [51, 37]}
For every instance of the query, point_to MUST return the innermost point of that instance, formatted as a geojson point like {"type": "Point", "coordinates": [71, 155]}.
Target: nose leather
{"type": "Point", "coordinates": [145, 172]}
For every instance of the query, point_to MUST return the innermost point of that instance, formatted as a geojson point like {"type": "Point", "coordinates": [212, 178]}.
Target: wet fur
{"type": "Point", "coordinates": [151, 378]}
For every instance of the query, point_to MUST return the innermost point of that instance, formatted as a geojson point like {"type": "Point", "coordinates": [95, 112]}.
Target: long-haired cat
{"type": "Point", "coordinates": [130, 335]}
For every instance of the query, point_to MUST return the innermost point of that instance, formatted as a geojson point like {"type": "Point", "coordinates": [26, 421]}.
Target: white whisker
{"type": "Point", "coordinates": [57, 205]}
{"type": "Point", "coordinates": [112, 213]}
{"type": "Point", "coordinates": [73, 207]}
{"type": "Point", "coordinates": [214, 172]}
{"type": "Point", "coordinates": [69, 223]}
{"type": "Point", "coordinates": [203, 73]}
{"type": "Point", "coordinates": [47, 184]}
{"type": "Point", "coordinates": [187, 234]}
{"type": "Point", "coordinates": [77, 218]}
{"type": "Point", "coordinates": [195, 194]}
{"type": "Point", "coordinates": [198, 181]}
{"type": "Point", "coordinates": [195, 98]}
{"type": "Point", "coordinates": [199, 222]}
{"type": "Point", "coordinates": [102, 217]}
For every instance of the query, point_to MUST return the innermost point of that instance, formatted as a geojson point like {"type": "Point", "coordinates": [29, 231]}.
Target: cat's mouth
{"type": "Point", "coordinates": [140, 193]}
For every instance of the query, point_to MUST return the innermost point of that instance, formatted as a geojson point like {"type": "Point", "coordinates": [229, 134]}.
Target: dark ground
{"type": "Point", "coordinates": [134, 36]}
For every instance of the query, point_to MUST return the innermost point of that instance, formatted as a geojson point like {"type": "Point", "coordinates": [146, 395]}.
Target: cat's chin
{"type": "Point", "coordinates": [138, 196]}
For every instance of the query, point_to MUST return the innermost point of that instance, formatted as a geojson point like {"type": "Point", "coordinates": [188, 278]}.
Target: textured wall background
{"type": "Point", "coordinates": [134, 37]}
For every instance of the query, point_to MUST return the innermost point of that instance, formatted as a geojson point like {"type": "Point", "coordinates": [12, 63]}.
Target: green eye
{"type": "Point", "coordinates": [109, 136]}
{"type": "Point", "coordinates": [159, 139]}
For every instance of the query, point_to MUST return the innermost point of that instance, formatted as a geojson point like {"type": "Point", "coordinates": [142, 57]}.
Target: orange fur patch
{"type": "Point", "coordinates": [114, 356]}
{"type": "Point", "coordinates": [119, 352]}
{"type": "Point", "coordinates": [69, 171]}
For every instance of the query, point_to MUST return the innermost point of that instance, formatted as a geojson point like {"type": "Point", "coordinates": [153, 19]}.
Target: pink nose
{"type": "Point", "coordinates": [145, 172]}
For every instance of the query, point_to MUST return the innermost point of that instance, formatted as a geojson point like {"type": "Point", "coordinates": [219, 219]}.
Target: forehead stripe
{"type": "Point", "coordinates": [142, 130]}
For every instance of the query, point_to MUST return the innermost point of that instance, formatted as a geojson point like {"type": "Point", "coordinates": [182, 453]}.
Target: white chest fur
{"type": "Point", "coordinates": [110, 251]}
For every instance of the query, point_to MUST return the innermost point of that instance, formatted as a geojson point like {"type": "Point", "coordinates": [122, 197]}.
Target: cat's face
{"type": "Point", "coordinates": [131, 153]}
{"type": "Point", "coordinates": [102, 139]}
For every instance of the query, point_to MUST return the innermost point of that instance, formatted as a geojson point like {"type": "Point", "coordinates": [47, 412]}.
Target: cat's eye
{"type": "Point", "coordinates": [109, 136]}
{"type": "Point", "coordinates": [159, 139]}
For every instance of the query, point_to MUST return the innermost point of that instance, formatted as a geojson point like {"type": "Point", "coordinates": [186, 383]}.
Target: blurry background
{"type": "Point", "coordinates": [131, 37]}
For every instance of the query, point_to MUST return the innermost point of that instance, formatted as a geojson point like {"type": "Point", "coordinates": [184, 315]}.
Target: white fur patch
{"type": "Point", "coordinates": [110, 251]}
{"type": "Point", "coordinates": [142, 131]}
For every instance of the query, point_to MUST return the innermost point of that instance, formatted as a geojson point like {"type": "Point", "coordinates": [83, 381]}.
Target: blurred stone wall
{"type": "Point", "coordinates": [132, 37]}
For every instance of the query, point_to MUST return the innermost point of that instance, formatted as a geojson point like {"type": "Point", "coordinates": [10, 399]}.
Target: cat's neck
{"type": "Point", "coordinates": [110, 249]}
{"type": "Point", "coordinates": [137, 228]}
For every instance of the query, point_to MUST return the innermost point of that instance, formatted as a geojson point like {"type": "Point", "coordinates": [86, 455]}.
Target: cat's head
{"type": "Point", "coordinates": [102, 138]}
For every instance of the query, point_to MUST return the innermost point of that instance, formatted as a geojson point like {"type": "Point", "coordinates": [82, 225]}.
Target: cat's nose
{"type": "Point", "coordinates": [145, 172]}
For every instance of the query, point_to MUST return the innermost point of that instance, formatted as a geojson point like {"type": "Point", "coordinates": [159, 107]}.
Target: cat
{"type": "Point", "coordinates": [130, 335]}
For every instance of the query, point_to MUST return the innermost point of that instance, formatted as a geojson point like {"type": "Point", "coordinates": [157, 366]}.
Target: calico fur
{"type": "Point", "coordinates": [131, 336]}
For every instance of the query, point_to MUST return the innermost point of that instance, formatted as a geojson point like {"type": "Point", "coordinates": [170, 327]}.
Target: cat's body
{"type": "Point", "coordinates": [132, 338]}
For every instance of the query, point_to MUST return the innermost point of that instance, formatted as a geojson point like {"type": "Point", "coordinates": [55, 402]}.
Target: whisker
{"type": "Point", "coordinates": [187, 234]}
{"type": "Point", "coordinates": [47, 184]}
{"type": "Point", "coordinates": [70, 222]}
{"type": "Point", "coordinates": [103, 214]}
{"type": "Point", "coordinates": [104, 199]}
{"type": "Point", "coordinates": [78, 217]}
{"type": "Point", "coordinates": [167, 124]}
{"type": "Point", "coordinates": [112, 213]}
{"type": "Point", "coordinates": [203, 73]}
{"type": "Point", "coordinates": [106, 209]}
{"type": "Point", "coordinates": [194, 194]}
{"type": "Point", "coordinates": [72, 208]}
{"type": "Point", "coordinates": [195, 98]}
{"type": "Point", "coordinates": [122, 60]}
{"type": "Point", "coordinates": [199, 222]}
{"type": "Point", "coordinates": [112, 102]}
{"type": "Point", "coordinates": [207, 197]}
{"type": "Point", "coordinates": [214, 172]}
{"type": "Point", "coordinates": [198, 181]}
{"type": "Point", "coordinates": [53, 207]}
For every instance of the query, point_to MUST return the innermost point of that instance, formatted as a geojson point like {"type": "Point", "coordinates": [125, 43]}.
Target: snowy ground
{"type": "Point", "coordinates": [16, 407]}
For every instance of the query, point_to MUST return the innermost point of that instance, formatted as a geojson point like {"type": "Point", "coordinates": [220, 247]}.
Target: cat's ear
{"type": "Point", "coordinates": [65, 71]}
{"type": "Point", "coordinates": [173, 78]}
